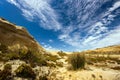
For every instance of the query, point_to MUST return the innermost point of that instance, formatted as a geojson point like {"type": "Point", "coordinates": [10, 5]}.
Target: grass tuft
{"type": "Point", "coordinates": [77, 61]}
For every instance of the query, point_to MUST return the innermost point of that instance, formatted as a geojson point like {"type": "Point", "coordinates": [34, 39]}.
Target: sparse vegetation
{"type": "Point", "coordinates": [96, 59]}
{"type": "Point", "coordinates": [50, 57]}
{"type": "Point", "coordinates": [28, 56]}
{"type": "Point", "coordinates": [5, 74]}
{"type": "Point", "coordinates": [43, 78]}
{"type": "Point", "coordinates": [33, 58]}
{"type": "Point", "coordinates": [60, 64]}
{"type": "Point", "coordinates": [3, 48]}
{"type": "Point", "coordinates": [62, 54]}
{"type": "Point", "coordinates": [116, 68]}
{"type": "Point", "coordinates": [25, 71]}
{"type": "Point", "coordinates": [77, 60]}
{"type": "Point", "coordinates": [51, 60]}
{"type": "Point", "coordinates": [12, 56]}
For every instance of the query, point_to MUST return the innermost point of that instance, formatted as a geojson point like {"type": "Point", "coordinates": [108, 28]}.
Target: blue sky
{"type": "Point", "coordinates": [68, 25]}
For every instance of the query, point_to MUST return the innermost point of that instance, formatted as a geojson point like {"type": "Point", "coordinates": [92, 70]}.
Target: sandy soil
{"type": "Point", "coordinates": [93, 73]}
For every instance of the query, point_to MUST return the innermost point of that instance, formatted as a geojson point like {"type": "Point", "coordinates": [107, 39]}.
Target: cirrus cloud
{"type": "Point", "coordinates": [40, 10]}
{"type": "Point", "coordinates": [82, 24]}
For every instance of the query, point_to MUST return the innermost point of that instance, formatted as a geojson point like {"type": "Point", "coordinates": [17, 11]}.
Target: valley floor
{"type": "Point", "coordinates": [93, 73]}
{"type": "Point", "coordinates": [97, 71]}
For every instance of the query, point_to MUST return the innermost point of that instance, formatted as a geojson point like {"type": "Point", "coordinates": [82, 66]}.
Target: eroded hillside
{"type": "Point", "coordinates": [16, 36]}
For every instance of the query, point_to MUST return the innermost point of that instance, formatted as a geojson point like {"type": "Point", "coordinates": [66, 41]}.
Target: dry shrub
{"type": "Point", "coordinates": [5, 74]}
{"type": "Point", "coordinates": [25, 71]}
{"type": "Point", "coordinates": [77, 61]}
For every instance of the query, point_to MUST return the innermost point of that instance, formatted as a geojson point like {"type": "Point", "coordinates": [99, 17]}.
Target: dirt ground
{"type": "Point", "coordinates": [104, 70]}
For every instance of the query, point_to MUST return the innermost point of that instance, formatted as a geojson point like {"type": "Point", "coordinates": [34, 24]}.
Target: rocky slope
{"type": "Point", "coordinates": [115, 49]}
{"type": "Point", "coordinates": [17, 36]}
{"type": "Point", "coordinates": [110, 48]}
{"type": "Point", "coordinates": [20, 55]}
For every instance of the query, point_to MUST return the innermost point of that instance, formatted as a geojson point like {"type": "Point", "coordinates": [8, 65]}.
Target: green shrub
{"type": "Point", "coordinates": [22, 53]}
{"type": "Point", "coordinates": [77, 60]}
{"type": "Point", "coordinates": [50, 57]}
{"type": "Point", "coordinates": [8, 67]}
{"type": "Point", "coordinates": [60, 64]}
{"type": "Point", "coordinates": [3, 48]}
{"type": "Point", "coordinates": [8, 56]}
{"type": "Point", "coordinates": [25, 71]}
{"type": "Point", "coordinates": [12, 56]}
{"type": "Point", "coordinates": [33, 58]}
{"type": "Point", "coordinates": [43, 78]}
{"type": "Point", "coordinates": [5, 74]}
{"type": "Point", "coordinates": [61, 53]}
{"type": "Point", "coordinates": [29, 56]}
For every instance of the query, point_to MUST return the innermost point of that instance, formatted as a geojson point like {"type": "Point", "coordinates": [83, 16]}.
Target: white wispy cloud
{"type": "Point", "coordinates": [96, 32]}
{"type": "Point", "coordinates": [112, 38]}
{"type": "Point", "coordinates": [49, 47]}
{"type": "Point", "coordinates": [50, 40]}
{"type": "Point", "coordinates": [39, 9]}
{"type": "Point", "coordinates": [115, 6]}
{"type": "Point", "coordinates": [95, 38]}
